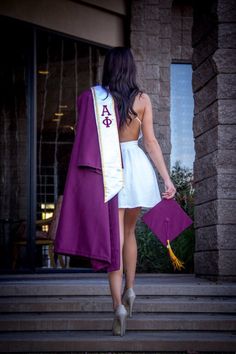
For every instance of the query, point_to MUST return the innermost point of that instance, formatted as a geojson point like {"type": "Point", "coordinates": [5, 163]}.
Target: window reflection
{"type": "Point", "coordinates": [64, 69]}
{"type": "Point", "coordinates": [181, 115]}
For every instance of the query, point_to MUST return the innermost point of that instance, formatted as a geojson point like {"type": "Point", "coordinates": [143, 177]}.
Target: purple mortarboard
{"type": "Point", "coordinates": [167, 220]}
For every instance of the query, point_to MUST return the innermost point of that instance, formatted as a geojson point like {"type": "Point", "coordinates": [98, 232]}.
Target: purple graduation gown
{"type": "Point", "coordinates": [88, 227]}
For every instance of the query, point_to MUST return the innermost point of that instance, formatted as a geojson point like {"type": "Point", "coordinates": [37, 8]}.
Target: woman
{"type": "Point", "coordinates": [141, 188]}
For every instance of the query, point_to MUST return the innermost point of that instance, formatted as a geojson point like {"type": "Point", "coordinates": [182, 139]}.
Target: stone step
{"type": "Point", "coordinates": [103, 321]}
{"type": "Point", "coordinates": [103, 303]}
{"type": "Point", "coordinates": [73, 289]}
{"type": "Point", "coordinates": [75, 341]}
{"type": "Point", "coordinates": [98, 285]}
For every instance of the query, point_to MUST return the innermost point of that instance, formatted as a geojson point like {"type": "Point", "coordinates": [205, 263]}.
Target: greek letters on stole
{"type": "Point", "coordinates": [109, 145]}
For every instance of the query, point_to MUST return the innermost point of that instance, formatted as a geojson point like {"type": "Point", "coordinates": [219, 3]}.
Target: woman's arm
{"type": "Point", "coordinates": [152, 147]}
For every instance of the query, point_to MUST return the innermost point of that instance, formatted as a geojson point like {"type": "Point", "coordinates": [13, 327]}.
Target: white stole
{"type": "Point", "coordinates": [109, 144]}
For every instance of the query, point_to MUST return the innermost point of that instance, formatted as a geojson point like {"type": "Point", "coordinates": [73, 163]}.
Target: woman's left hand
{"type": "Point", "coordinates": [170, 190]}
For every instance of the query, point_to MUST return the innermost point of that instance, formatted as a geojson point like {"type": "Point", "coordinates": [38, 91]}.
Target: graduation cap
{"type": "Point", "coordinates": [167, 220]}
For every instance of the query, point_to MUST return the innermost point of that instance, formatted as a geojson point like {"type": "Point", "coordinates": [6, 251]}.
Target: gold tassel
{"type": "Point", "coordinates": [177, 263]}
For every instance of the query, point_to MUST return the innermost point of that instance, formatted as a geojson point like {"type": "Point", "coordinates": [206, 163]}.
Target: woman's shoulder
{"type": "Point", "coordinates": [142, 99]}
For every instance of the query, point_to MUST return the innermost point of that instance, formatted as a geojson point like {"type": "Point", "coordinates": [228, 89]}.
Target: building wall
{"type": "Point", "coordinates": [102, 22]}
{"type": "Point", "coordinates": [214, 78]}
{"type": "Point", "coordinates": [160, 35]}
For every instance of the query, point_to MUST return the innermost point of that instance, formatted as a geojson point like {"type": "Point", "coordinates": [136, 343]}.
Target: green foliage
{"type": "Point", "coordinates": [152, 255]}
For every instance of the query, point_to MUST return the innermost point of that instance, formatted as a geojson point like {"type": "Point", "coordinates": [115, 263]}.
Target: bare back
{"type": "Point", "coordinates": [131, 130]}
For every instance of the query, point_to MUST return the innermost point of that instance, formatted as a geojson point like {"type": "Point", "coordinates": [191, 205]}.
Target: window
{"type": "Point", "coordinates": [181, 115]}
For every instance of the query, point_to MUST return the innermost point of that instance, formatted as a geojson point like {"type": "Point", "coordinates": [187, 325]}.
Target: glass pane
{"type": "Point", "coordinates": [182, 115]}
{"type": "Point", "coordinates": [65, 68]}
{"type": "Point", "coordinates": [13, 142]}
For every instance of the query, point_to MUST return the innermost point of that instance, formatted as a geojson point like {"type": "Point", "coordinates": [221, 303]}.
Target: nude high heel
{"type": "Point", "coordinates": [128, 300]}
{"type": "Point", "coordinates": [119, 322]}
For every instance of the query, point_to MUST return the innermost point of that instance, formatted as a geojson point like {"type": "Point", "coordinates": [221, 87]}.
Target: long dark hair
{"type": "Point", "coordinates": [119, 78]}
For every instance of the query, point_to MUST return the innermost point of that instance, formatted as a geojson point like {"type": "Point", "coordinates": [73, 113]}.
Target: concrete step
{"type": "Point", "coordinates": [75, 341]}
{"type": "Point", "coordinates": [103, 303]}
{"type": "Point", "coordinates": [85, 287]}
{"type": "Point", "coordinates": [97, 284]}
{"type": "Point", "coordinates": [103, 321]}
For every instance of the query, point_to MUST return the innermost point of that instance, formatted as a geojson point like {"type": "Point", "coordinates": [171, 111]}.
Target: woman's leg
{"type": "Point", "coordinates": [115, 278]}
{"type": "Point", "coordinates": [130, 246]}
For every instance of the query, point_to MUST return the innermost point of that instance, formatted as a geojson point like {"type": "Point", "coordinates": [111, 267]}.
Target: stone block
{"type": "Point", "coordinates": [151, 12]}
{"type": "Point", "coordinates": [226, 87]}
{"type": "Point", "coordinates": [165, 45]}
{"type": "Point", "coordinates": [165, 4]}
{"type": "Point", "coordinates": [220, 161]}
{"type": "Point", "coordinates": [162, 59]}
{"type": "Point", "coordinates": [176, 51]}
{"type": "Point", "coordinates": [186, 53]}
{"type": "Point", "coordinates": [176, 23]}
{"type": "Point", "coordinates": [206, 143]}
{"type": "Point", "coordinates": [203, 73]}
{"type": "Point", "coordinates": [219, 112]}
{"type": "Point", "coordinates": [137, 39]}
{"type": "Point", "coordinates": [207, 95]}
{"type": "Point", "coordinates": [152, 27]}
{"type": "Point", "coordinates": [139, 53]}
{"type": "Point", "coordinates": [227, 264]}
{"type": "Point", "coordinates": [155, 116]}
{"type": "Point", "coordinates": [137, 23]}
{"type": "Point", "coordinates": [226, 186]}
{"type": "Point", "coordinates": [215, 263]}
{"type": "Point", "coordinates": [141, 69]}
{"type": "Point", "coordinates": [186, 38]}
{"type": "Point", "coordinates": [227, 111]}
{"type": "Point", "coordinates": [220, 137]}
{"type": "Point", "coordinates": [205, 214]}
{"type": "Point", "coordinates": [165, 15]}
{"type": "Point", "coordinates": [227, 137]}
{"type": "Point", "coordinates": [227, 35]}
{"type": "Point", "coordinates": [155, 101]}
{"type": "Point", "coordinates": [187, 23]}
{"type": "Point", "coordinates": [220, 186]}
{"type": "Point", "coordinates": [141, 81]}
{"type": "Point", "coordinates": [176, 36]}
{"type": "Point", "coordinates": [152, 71]}
{"type": "Point", "coordinates": [225, 60]}
{"type": "Point", "coordinates": [226, 11]}
{"type": "Point", "coordinates": [205, 48]}
{"type": "Point", "coordinates": [165, 30]}
{"type": "Point", "coordinates": [165, 89]}
{"type": "Point", "coordinates": [152, 56]}
{"type": "Point", "coordinates": [153, 86]}
{"type": "Point", "coordinates": [164, 104]}
{"type": "Point", "coordinates": [152, 43]}
{"type": "Point", "coordinates": [205, 120]}
{"type": "Point", "coordinates": [215, 237]}
{"type": "Point", "coordinates": [219, 211]}
{"type": "Point", "coordinates": [163, 117]}
{"type": "Point", "coordinates": [165, 74]}
{"type": "Point", "coordinates": [206, 263]}
{"type": "Point", "coordinates": [205, 190]}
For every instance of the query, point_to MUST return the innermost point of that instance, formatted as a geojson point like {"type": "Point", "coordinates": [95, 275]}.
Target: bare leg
{"type": "Point", "coordinates": [115, 278]}
{"type": "Point", "coordinates": [130, 246]}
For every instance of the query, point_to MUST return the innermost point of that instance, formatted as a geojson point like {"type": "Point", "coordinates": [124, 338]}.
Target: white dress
{"type": "Point", "coordinates": [140, 182]}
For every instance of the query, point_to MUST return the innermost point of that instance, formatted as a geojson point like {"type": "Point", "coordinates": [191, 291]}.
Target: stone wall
{"type": "Point", "coordinates": [160, 34]}
{"type": "Point", "coordinates": [181, 31]}
{"type": "Point", "coordinates": [214, 78]}
{"type": "Point", "coordinates": [151, 44]}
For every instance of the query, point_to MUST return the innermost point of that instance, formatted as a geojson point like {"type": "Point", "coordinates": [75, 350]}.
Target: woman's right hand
{"type": "Point", "coordinates": [170, 190]}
